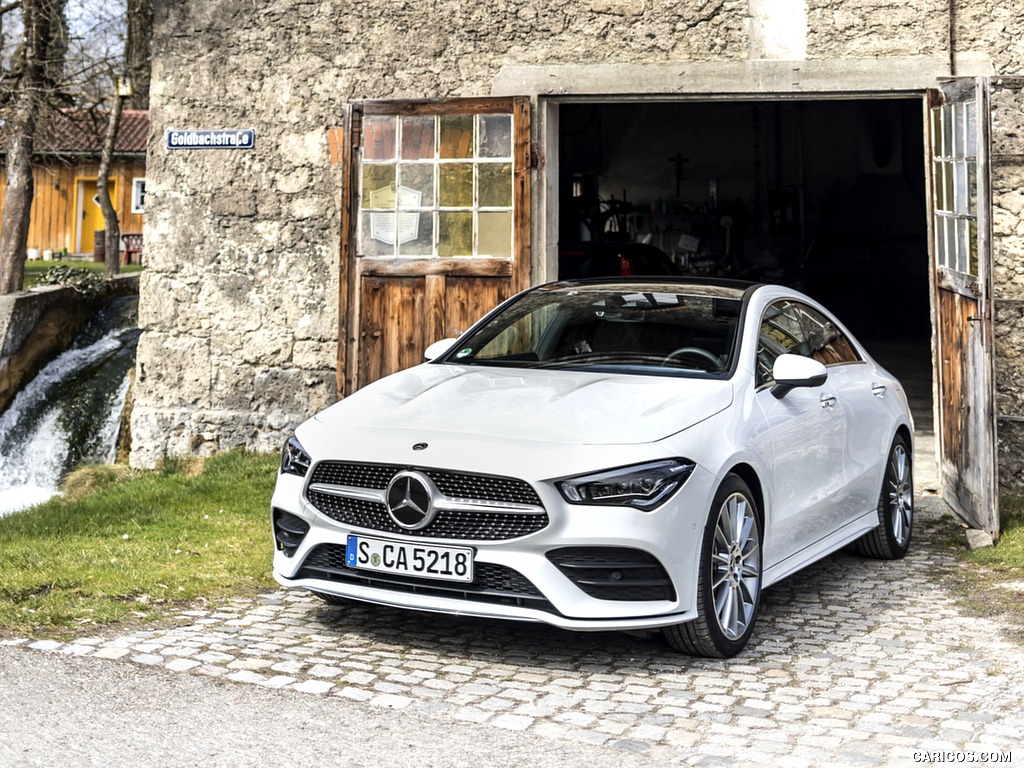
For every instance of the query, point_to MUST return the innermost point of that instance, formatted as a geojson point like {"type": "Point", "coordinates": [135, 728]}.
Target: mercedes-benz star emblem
{"type": "Point", "coordinates": [410, 499]}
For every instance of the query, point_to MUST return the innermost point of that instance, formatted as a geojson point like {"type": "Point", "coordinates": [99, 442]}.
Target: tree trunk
{"type": "Point", "coordinates": [21, 128]}
{"type": "Point", "coordinates": [110, 223]}
{"type": "Point", "coordinates": [137, 53]}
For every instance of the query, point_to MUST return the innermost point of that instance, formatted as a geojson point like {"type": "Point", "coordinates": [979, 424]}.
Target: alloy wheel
{"type": "Point", "coordinates": [735, 566]}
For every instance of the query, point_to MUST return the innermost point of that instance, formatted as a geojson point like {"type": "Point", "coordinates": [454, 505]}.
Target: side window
{"type": "Point", "coordinates": [794, 328]}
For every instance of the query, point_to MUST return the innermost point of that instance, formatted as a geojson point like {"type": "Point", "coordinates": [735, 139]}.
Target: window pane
{"type": "Point", "coordinates": [959, 122]}
{"type": "Point", "coordinates": [970, 131]}
{"type": "Point", "coordinates": [938, 187]}
{"type": "Point", "coordinates": [947, 187]}
{"type": "Point", "coordinates": [379, 138]}
{"type": "Point", "coordinates": [377, 234]}
{"type": "Point", "coordinates": [962, 199]}
{"type": "Point", "coordinates": [496, 185]}
{"type": "Point", "coordinates": [947, 132]}
{"type": "Point", "coordinates": [423, 243]}
{"type": "Point", "coordinates": [972, 188]}
{"type": "Point", "coordinates": [417, 138]}
{"type": "Point", "coordinates": [936, 132]}
{"type": "Point", "coordinates": [496, 136]}
{"type": "Point", "coordinates": [940, 242]}
{"type": "Point", "coordinates": [456, 188]}
{"type": "Point", "coordinates": [420, 178]}
{"type": "Point", "coordinates": [495, 234]}
{"type": "Point", "coordinates": [378, 186]}
{"type": "Point", "coordinates": [456, 136]}
{"type": "Point", "coordinates": [972, 238]}
{"type": "Point", "coordinates": [455, 233]}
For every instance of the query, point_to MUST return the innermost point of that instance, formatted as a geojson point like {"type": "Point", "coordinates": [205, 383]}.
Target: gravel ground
{"type": "Point", "coordinates": [72, 711]}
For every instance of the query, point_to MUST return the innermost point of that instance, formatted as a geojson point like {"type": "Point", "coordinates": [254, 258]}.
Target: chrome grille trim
{"type": "Point", "coordinates": [469, 506]}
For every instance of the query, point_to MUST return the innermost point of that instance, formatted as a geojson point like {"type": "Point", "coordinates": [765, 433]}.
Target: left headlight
{"type": "Point", "coordinates": [642, 486]}
{"type": "Point", "coordinates": [294, 459]}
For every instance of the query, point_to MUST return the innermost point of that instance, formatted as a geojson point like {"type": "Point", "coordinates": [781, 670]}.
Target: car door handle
{"type": "Point", "coordinates": [878, 390]}
{"type": "Point", "coordinates": [827, 401]}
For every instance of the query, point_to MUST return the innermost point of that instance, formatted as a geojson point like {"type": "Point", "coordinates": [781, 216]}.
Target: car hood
{"type": "Point", "coordinates": [563, 407]}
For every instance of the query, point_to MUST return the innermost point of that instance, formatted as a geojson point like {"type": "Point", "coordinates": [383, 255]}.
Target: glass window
{"type": "Point", "coordinates": [138, 195]}
{"type": "Point", "coordinates": [436, 186]}
{"type": "Point", "coordinates": [789, 327]}
{"type": "Point", "coordinates": [602, 328]}
{"type": "Point", "coordinates": [955, 182]}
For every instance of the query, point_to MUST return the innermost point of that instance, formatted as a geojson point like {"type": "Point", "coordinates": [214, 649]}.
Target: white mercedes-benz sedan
{"type": "Point", "coordinates": [615, 454]}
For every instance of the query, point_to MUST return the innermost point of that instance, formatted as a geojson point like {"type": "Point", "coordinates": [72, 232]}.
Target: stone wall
{"type": "Point", "coordinates": [1007, 109]}
{"type": "Point", "coordinates": [240, 299]}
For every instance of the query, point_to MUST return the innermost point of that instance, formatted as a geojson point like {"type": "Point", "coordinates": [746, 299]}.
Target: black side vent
{"type": "Point", "coordinates": [289, 531]}
{"type": "Point", "coordinates": [614, 573]}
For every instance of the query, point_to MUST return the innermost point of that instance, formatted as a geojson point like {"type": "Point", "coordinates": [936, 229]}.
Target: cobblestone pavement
{"type": "Point", "coordinates": [853, 662]}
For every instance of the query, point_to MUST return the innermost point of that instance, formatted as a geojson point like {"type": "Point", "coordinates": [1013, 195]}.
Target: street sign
{"type": "Point", "coordinates": [235, 138]}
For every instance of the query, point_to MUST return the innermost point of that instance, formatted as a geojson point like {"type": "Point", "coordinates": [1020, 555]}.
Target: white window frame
{"type": "Point", "coordinates": [138, 194]}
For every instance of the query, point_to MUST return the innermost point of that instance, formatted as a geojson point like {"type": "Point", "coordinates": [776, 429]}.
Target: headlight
{"type": "Point", "coordinates": [643, 486]}
{"type": "Point", "coordinates": [294, 459]}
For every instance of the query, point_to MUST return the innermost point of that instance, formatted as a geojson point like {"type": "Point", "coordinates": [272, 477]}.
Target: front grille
{"type": "Point", "coordinates": [492, 583]}
{"type": "Point", "coordinates": [472, 525]}
{"type": "Point", "coordinates": [614, 573]}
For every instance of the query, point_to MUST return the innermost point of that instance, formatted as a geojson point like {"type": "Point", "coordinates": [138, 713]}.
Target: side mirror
{"type": "Point", "coordinates": [792, 371]}
{"type": "Point", "coordinates": [438, 348]}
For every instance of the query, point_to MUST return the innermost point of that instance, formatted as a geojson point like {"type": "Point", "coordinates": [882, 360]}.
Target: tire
{"type": "Point", "coordinates": [729, 577]}
{"type": "Point", "coordinates": [891, 539]}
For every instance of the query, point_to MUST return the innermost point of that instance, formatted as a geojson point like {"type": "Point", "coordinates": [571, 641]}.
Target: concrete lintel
{"type": "Point", "coordinates": [722, 78]}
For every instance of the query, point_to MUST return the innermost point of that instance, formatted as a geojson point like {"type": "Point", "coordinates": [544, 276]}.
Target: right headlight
{"type": "Point", "coordinates": [642, 486]}
{"type": "Point", "coordinates": [294, 459]}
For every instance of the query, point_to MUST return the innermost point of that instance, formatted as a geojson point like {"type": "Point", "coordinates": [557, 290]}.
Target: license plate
{"type": "Point", "coordinates": [425, 561]}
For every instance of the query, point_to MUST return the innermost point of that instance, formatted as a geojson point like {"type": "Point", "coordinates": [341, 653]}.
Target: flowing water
{"type": "Point", "coordinates": [70, 413]}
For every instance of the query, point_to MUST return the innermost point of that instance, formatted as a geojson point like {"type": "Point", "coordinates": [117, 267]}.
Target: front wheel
{"type": "Point", "coordinates": [729, 577]}
{"type": "Point", "coordinates": [891, 539]}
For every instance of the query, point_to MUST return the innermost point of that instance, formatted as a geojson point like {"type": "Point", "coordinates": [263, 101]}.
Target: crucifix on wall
{"type": "Point", "coordinates": [679, 161]}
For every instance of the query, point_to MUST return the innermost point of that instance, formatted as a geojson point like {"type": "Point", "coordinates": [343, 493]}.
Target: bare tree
{"type": "Point", "coordinates": [28, 77]}
{"type": "Point", "coordinates": [52, 67]}
{"type": "Point", "coordinates": [136, 63]}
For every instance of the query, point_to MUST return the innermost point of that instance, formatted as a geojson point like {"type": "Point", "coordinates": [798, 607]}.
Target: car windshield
{"type": "Point", "coordinates": [654, 329]}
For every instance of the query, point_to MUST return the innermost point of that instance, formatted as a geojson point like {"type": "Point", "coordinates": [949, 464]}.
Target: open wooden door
{"type": "Point", "coordinates": [437, 225]}
{"type": "Point", "coordinates": [961, 240]}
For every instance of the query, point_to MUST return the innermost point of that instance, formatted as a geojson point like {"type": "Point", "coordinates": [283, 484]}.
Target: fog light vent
{"type": "Point", "coordinates": [614, 573]}
{"type": "Point", "coordinates": [289, 531]}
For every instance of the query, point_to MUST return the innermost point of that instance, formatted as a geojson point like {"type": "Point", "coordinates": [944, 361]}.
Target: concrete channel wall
{"type": "Point", "coordinates": [37, 325]}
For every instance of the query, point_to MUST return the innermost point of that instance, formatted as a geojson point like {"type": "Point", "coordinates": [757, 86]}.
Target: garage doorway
{"type": "Point", "coordinates": [827, 196]}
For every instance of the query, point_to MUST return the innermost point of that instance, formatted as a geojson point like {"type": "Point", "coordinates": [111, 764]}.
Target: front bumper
{"type": "Point", "coordinates": [515, 578]}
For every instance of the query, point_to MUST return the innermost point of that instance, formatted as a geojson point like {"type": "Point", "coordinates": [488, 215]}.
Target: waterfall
{"type": "Point", "coordinates": [70, 413]}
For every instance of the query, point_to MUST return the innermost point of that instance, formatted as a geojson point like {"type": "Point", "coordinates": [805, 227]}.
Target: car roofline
{"type": "Point", "coordinates": [742, 287]}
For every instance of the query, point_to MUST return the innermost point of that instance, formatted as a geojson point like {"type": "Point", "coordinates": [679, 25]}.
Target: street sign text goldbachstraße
{"type": "Point", "coordinates": [235, 138]}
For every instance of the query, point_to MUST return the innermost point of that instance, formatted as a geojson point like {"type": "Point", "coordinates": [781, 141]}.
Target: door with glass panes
{"type": "Point", "coordinates": [436, 229]}
{"type": "Point", "coordinates": [962, 276]}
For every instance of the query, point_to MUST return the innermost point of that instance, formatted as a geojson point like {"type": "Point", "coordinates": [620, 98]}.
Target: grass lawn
{"type": "Point", "coordinates": [33, 269]}
{"type": "Point", "coordinates": [123, 546]}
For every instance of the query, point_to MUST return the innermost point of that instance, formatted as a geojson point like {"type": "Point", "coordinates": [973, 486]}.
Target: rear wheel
{"type": "Point", "coordinates": [729, 578]}
{"type": "Point", "coordinates": [891, 539]}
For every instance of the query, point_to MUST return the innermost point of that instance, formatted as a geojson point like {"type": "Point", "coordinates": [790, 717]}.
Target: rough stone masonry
{"type": "Point", "coordinates": [240, 300]}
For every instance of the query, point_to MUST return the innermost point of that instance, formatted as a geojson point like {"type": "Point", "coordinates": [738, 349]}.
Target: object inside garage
{"type": "Point", "coordinates": [826, 196]}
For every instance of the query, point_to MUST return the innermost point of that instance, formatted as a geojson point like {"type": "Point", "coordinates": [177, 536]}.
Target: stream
{"type": "Point", "coordinates": [70, 413]}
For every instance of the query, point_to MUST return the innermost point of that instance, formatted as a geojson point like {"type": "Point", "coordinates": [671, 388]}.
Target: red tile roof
{"type": "Point", "coordinates": [79, 131]}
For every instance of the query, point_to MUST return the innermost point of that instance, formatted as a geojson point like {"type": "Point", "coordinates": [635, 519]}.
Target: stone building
{"type": "Point", "coordinates": [414, 163]}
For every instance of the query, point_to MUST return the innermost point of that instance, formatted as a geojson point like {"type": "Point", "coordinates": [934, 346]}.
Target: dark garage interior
{"type": "Point", "coordinates": [826, 196]}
